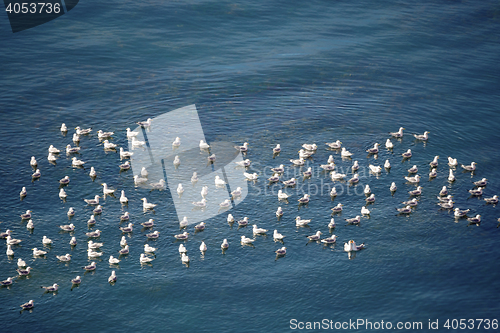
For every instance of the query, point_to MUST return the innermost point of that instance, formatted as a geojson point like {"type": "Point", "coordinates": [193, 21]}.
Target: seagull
{"type": "Point", "coordinates": [92, 245]}
{"type": "Point", "coordinates": [200, 204]}
{"type": "Point", "coordinates": [243, 148]}
{"type": "Point", "coordinates": [277, 235]}
{"type": "Point", "coordinates": [84, 131]}
{"type": "Point", "coordinates": [375, 169]}
{"type": "Point", "coordinates": [139, 180]}
{"type": "Point", "coordinates": [148, 224]}
{"type": "Point", "coordinates": [279, 169]}
{"type": "Point", "coordinates": [224, 244]}
{"type": "Point", "coordinates": [125, 154]}
{"type": "Point", "coordinates": [415, 179]}
{"type": "Point", "coordinates": [194, 178]}
{"type": "Point", "coordinates": [460, 213]}
{"type": "Point", "coordinates": [282, 196]}
{"type": "Point", "coordinates": [365, 211]}
{"type": "Point", "coordinates": [53, 150]}
{"type": "Point", "coordinates": [9, 251]}
{"type": "Point", "coordinates": [211, 158]}
{"type": "Point", "coordinates": [277, 149]}
{"type": "Point", "coordinates": [29, 225]}
{"type": "Point", "coordinates": [38, 253]}
{"type": "Point", "coordinates": [412, 203]}
{"type": "Point", "coordinates": [367, 190]}
{"type": "Point", "coordinates": [182, 248]}
{"type": "Point", "coordinates": [21, 263]}
{"type": "Point", "coordinates": [92, 172]}
{"type": "Point", "coordinates": [452, 162]}
{"type": "Point", "coordinates": [62, 194]}
{"type": "Point", "coordinates": [345, 153]}
{"type": "Point", "coordinates": [144, 260]}
{"type": "Point", "coordinates": [387, 164]}
{"type": "Point", "coordinates": [230, 218]}
{"type": "Point", "coordinates": [204, 145]}
{"type": "Point", "coordinates": [131, 134]}
{"type": "Point", "coordinates": [12, 241]}
{"type": "Point", "coordinates": [404, 210]}
{"type": "Point", "coordinates": [23, 272]}
{"type": "Point", "coordinates": [279, 212]}
{"type": "Point", "coordinates": [66, 257]}
{"type": "Point", "coordinates": [225, 204]}
{"type": "Point", "coordinates": [125, 166]}
{"type": "Point", "coordinates": [257, 231]}
{"type": "Point", "coordinates": [407, 154]}
{"type": "Point", "coordinates": [23, 192]}
{"type": "Point", "coordinates": [244, 163]}
{"type": "Point", "coordinates": [373, 150]}
{"type": "Point", "coordinates": [76, 280]}
{"type": "Point", "coordinates": [123, 198]}
{"type": "Point", "coordinates": [72, 150]}
{"type": "Point", "coordinates": [334, 145]}
{"type": "Point", "coordinates": [331, 225]}
{"type": "Point", "coordinates": [308, 172]}
{"type": "Point", "coordinates": [389, 144]}
{"type": "Point", "coordinates": [36, 174]}
{"type": "Point", "coordinates": [158, 186]}
{"type": "Point", "coordinates": [417, 191]}
{"type": "Point", "coordinates": [483, 182]}
{"type": "Point", "coordinates": [200, 226]}
{"type": "Point", "coordinates": [445, 199]}
{"type": "Point", "coordinates": [93, 234]}
{"type": "Point", "coordinates": [93, 254]}
{"type": "Point", "coordinates": [434, 162]}
{"type": "Point", "coordinates": [328, 167]}
{"type": "Point", "coordinates": [470, 167]}
{"type": "Point", "coordinates": [299, 222]}
{"type": "Point", "coordinates": [337, 176]}
{"type": "Point", "coordinates": [72, 242]}
{"type": "Point", "coordinates": [112, 277]}
{"type": "Point", "coordinates": [274, 178]}
{"type": "Point", "coordinates": [251, 176]}
{"type": "Point", "coordinates": [177, 161]}
{"type": "Point", "coordinates": [26, 215]}
{"type": "Point", "coordinates": [422, 137]}
{"type": "Point", "coordinates": [123, 241]}
{"type": "Point", "coordinates": [354, 179]}
{"type": "Point", "coordinates": [146, 123]}
{"type": "Point", "coordinates": [91, 220]}
{"type": "Point", "coordinates": [492, 200]}
{"type": "Point", "coordinates": [243, 222]}
{"type": "Point", "coordinates": [106, 190]}
{"type": "Point", "coordinates": [329, 240]}
{"type": "Point", "coordinates": [182, 236]}
{"type": "Point", "coordinates": [355, 166]}
{"type": "Point", "coordinates": [149, 249]}
{"type": "Point", "coordinates": [219, 181]}
{"type": "Point", "coordinates": [475, 220]}
{"type": "Point", "coordinates": [290, 182]}
{"type": "Point", "coordinates": [76, 162]}
{"type": "Point", "coordinates": [125, 217]}
{"type": "Point", "coordinates": [51, 157]}
{"type": "Point", "coordinates": [177, 142]}
{"type": "Point", "coordinates": [304, 199]}
{"type": "Point", "coordinates": [137, 143]}
{"type": "Point", "coordinates": [477, 192]}
{"type": "Point", "coordinates": [237, 192]}
{"type": "Point", "coordinates": [446, 205]}
{"type": "Point", "coordinates": [433, 173]}
{"type": "Point", "coordinates": [67, 227]}
{"type": "Point", "coordinates": [308, 146]}
{"type": "Point", "coordinates": [337, 209]}
{"type": "Point", "coordinates": [298, 162]}
{"type": "Point", "coordinates": [128, 228]}
{"type": "Point", "coordinates": [246, 240]}
{"type": "Point", "coordinates": [305, 153]}
{"type": "Point", "coordinates": [76, 138]}
{"type": "Point", "coordinates": [354, 220]}
{"type": "Point", "coordinates": [28, 305]}
{"type": "Point", "coordinates": [64, 128]}
{"type": "Point", "coordinates": [280, 252]}
{"type": "Point", "coordinates": [316, 236]}
{"type": "Point", "coordinates": [203, 246]}
{"type": "Point", "coordinates": [125, 250]}
{"type": "Point", "coordinates": [7, 282]}
{"type": "Point", "coordinates": [413, 169]}
{"type": "Point", "coordinates": [109, 145]}
{"type": "Point", "coordinates": [64, 181]}
{"type": "Point", "coordinates": [33, 162]}
{"type": "Point", "coordinates": [443, 192]}
{"type": "Point", "coordinates": [146, 205]}
{"type": "Point", "coordinates": [184, 258]}
{"type": "Point", "coordinates": [90, 267]}
{"type": "Point", "coordinates": [398, 134]}
{"type": "Point", "coordinates": [97, 210]}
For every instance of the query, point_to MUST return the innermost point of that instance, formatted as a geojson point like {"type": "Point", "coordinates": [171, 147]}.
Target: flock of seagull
{"type": "Point", "coordinates": [445, 200]}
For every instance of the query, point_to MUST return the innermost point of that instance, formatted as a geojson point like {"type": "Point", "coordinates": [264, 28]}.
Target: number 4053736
{"type": "Point", "coordinates": [33, 8]}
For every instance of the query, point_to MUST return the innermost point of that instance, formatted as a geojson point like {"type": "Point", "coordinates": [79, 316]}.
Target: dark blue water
{"type": "Point", "coordinates": [283, 72]}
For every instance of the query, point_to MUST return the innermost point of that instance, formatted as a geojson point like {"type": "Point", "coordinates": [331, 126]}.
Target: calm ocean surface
{"type": "Point", "coordinates": [285, 72]}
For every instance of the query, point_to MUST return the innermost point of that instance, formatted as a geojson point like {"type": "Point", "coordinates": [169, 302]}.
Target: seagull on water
{"type": "Point", "coordinates": [334, 145]}
{"type": "Point", "coordinates": [398, 134]}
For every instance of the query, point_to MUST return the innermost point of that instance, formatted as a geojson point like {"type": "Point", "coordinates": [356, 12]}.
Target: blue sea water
{"type": "Point", "coordinates": [285, 72]}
